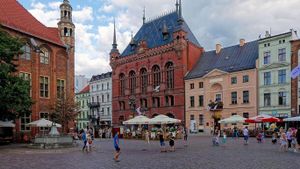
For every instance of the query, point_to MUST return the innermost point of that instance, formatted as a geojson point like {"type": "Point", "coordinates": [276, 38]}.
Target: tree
{"type": "Point", "coordinates": [14, 91]}
{"type": "Point", "coordinates": [63, 111]}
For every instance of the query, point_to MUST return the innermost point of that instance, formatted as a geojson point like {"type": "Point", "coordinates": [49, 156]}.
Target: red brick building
{"type": "Point", "coordinates": [295, 44]}
{"type": "Point", "coordinates": [149, 73]}
{"type": "Point", "coordinates": [48, 59]}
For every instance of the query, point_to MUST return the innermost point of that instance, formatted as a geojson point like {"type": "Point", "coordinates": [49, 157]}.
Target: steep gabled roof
{"type": "Point", "coordinates": [151, 32]}
{"type": "Point", "coordinates": [101, 76]}
{"type": "Point", "coordinates": [14, 16]}
{"type": "Point", "coordinates": [230, 59]}
{"type": "Point", "coordinates": [86, 89]}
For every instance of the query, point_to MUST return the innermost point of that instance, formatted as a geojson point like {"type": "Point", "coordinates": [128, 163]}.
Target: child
{"type": "Point", "coordinates": [224, 137]}
{"type": "Point", "coordinates": [172, 143]}
{"type": "Point", "coordinates": [259, 138]}
{"type": "Point", "coordinates": [274, 138]}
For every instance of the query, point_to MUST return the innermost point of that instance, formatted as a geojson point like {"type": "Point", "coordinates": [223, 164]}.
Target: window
{"type": "Point", "coordinates": [282, 55]}
{"type": "Point", "coordinates": [27, 76]}
{"type": "Point", "coordinates": [201, 101]}
{"type": "Point", "coordinates": [192, 86]}
{"type": "Point", "coordinates": [44, 86]}
{"type": "Point", "coordinates": [267, 99]}
{"type": "Point", "coordinates": [282, 76]}
{"type": "Point", "coordinates": [102, 86]}
{"type": "Point", "coordinates": [170, 75]}
{"type": "Point", "coordinates": [26, 52]}
{"type": "Point", "coordinates": [192, 101]}
{"type": "Point", "coordinates": [156, 76]}
{"type": "Point", "coordinates": [108, 111]}
{"type": "Point", "coordinates": [282, 98]}
{"type": "Point", "coordinates": [245, 96]}
{"type": "Point", "coordinates": [201, 120]}
{"type": "Point", "coordinates": [102, 98]}
{"type": "Point", "coordinates": [144, 103]}
{"type": "Point", "coordinates": [122, 105]}
{"type": "Point", "coordinates": [98, 99]}
{"type": "Point", "coordinates": [144, 80]}
{"type": "Point", "coordinates": [233, 80]}
{"type": "Point", "coordinates": [169, 100]}
{"type": "Point", "coordinates": [44, 56]}
{"type": "Point", "coordinates": [200, 85]}
{"type": "Point", "coordinates": [218, 97]}
{"type": "Point", "coordinates": [122, 84]}
{"type": "Point", "coordinates": [245, 78]}
{"type": "Point", "coordinates": [267, 78]}
{"type": "Point", "coordinates": [107, 98]}
{"type": "Point", "coordinates": [246, 115]}
{"type": "Point", "coordinates": [107, 85]}
{"type": "Point", "coordinates": [60, 88]}
{"type": "Point", "coordinates": [155, 102]}
{"type": "Point", "coordinates": [233, 97]}
{"type": "Point", "coordinates": [192, 117]}
{"type": "Point", "coordinates": [44, 116]}
{"type": "Point", "coordinates": [267, 57]}
{"type": "Point", "coordinates": [25, 119]}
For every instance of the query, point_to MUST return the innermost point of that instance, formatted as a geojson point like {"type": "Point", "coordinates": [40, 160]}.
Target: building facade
{"type": "Point", "coordinates": [222, 84]}
{"type": "Point", "coordinates": [48, 59]}
{"type": "Point", "coordinates": [80, 82]}
{"type": "Point", "coordinates": [295, 83]}
{"type": "Point", "coordinates": [274, 69]}
{"type": "Point", "coordinates": [101, 100]}
{"type": "Point", "coordinates": [83, 99]}
{"type": "Point", "coordinates": [149, 73]}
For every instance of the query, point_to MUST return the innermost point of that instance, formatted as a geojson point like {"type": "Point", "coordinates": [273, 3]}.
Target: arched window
{"type": "Point", "coordinates": [26, 52]}
{"type": "Point", "coordinates": [44, 56]}
{"type": "Point", "coordinates": [144, 80]}
{"type": "Point", "coordinates": [122, 84]}
{"type": "Point", "coordinates": [132, 82]}
{"type": "Point", "coordinates": [170, 75]}
{"type": "Point", "coordinates": [156, 76]}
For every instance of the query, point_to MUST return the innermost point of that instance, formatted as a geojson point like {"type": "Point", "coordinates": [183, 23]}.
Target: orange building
{"type": "Point", "coordinates": [48, 59]}
{"type": "Point", "coordinates": [149, 73]}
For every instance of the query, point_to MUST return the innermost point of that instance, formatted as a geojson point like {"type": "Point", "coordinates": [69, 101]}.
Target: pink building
{"type": "Point", "coordinates": [221, 84]}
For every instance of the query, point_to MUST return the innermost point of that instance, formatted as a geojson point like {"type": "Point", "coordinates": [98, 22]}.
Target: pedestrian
{"type": "Point", "coordinates": [100, 133]}
{"type": "Point", "coordinates": [235, 133]}
{"type": "Point", "coordinates": [147, 136]}
{"type": "Point", "coordinates": [298, 137]}
{"type": "Point", "coordinates": [246, 135]}
{"type": "Point", "coordinates": [224, 137]}
{"type": "Point", "coordinates": [259, 137]}
{"type": "Point", "coordinates": [172, 143]}
{"type": "Point", "coordinates": [117, 147]}
{"type": "Point", "coordinates": [83, 137]}
{"type": "Point", "coordinates": [185, 136]}
{"type": "Point", "coordinates": [289, 137]}
{"type": "Point", "coordinates": [294, 140]}
{"type": "Point", "coordinates": [283, 142]}
{"type": "Point", "coordinates": [274, 138]}
{"type": "Point", "coordinates": [162, 142]}
{"type": "Point", "coordinates": [216, 136]}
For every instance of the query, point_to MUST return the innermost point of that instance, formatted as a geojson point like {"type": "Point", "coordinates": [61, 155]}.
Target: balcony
{"type": "Point", "coordinates": [215, 106]}
{"type": "Point", "coordinates": [94, 104]}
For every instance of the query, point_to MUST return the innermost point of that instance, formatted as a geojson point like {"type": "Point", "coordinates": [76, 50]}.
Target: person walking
{"type": "Point", "coordinates": [246, 135]}
{"type": "Point", "coordinates": [235, 133]}
{"type": "Point", "coordinates": [162, 142]}
{"type": "Point", "coordinates": [84, 139]}
{"type": "Point", "coordinates": [289, 137]}
{"type": "Point", "coordinates": [185, 136]}
{"type": "Point", "coordinates": [147, 137]}
{"type": "Point", "coordinates": [224, 137]}
{"type": "Point", "coordinates": [172, 143]}
{"type": "Point", "coordinates": [283, 142]}
{"type": "Point", "coordinates": [117, 147]}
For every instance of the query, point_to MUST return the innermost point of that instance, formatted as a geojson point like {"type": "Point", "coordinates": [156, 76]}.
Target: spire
{"type": "Point", "coordinates": [144, 15]}
{"type": "Point", "coordinates": [180, 19]}
{"type": "Point", "coordinates": [177, 6]}
{"type": "Point", "coordinates": [114, 45]}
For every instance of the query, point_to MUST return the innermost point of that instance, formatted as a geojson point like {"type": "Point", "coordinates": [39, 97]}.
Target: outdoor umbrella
{"type": "Point", "coordinates": [7, 124]}
{"type": "Point", "coordinates": [138, 120]}
{"type": "Point", "coordinates": [263, 118]}
{"type": "Point", "coordinates": [233, 119]}
{"type": "Point", "coordinates": [292, 119]}
{"type": "Point", "coordinates": [163, 119]}
{"type": "Point", "coordinates": [43, 123]}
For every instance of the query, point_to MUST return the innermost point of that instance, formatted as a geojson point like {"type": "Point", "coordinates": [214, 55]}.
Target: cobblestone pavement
{"type": "Point", "coordinates": [199, 154]}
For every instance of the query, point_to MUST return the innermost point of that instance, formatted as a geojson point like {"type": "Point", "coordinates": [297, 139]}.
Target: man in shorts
{"type": "Point", "coordinates": [246, 135]}
{"type": "Point", "coordinates": [117, 147]}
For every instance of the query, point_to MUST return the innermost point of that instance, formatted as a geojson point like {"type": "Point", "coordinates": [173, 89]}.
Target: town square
{"type": "Point", "coordinates": [149, 84]}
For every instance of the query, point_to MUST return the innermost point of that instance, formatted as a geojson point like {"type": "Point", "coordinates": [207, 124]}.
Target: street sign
{"type": "Point", "coordinates": [295, 72]}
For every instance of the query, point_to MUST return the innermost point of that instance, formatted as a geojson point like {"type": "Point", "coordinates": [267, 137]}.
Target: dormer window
{"type": "Point", "coordinates": [165, 32]}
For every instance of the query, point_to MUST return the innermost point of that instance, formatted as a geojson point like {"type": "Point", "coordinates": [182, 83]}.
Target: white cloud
{"type": "Point", "coordinates": [54, 5]}
{"type": "Point", "coordinates": [83, 15]}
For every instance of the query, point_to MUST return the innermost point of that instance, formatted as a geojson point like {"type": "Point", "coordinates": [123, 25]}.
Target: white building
{"type": "Point", "coordinates": [100, 99]}
{"type": "Point", "coordinates": [80, 82]}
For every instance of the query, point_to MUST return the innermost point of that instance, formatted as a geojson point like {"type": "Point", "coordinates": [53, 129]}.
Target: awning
{"type": "Point", "coordinates": [7, 124]}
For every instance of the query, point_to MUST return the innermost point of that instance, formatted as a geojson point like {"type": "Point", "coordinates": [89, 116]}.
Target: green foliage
{"type": "Point", "coordinates": [14, 91]}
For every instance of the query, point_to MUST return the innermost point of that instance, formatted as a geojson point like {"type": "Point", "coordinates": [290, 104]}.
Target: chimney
{"type": "Point", "coordinates": [218, 48]}
{"type": "Point", "coordinates": [267, 34]}
{"type": "Point", "coordinates": [242, 42]}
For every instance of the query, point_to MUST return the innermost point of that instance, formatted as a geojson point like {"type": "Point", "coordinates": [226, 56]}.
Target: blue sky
{"type": "Point", "coordinates": [213, 21]}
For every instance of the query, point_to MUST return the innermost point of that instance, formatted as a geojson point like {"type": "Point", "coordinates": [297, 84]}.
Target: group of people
{"type": "Point", "coordinates": [87, 137]}
{"type": "Point", "coordinates": [104, 132]}
{"type": "Point", "coordinates": [289, 139]}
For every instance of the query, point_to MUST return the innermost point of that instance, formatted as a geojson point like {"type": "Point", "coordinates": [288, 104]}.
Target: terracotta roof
{"type": "Point", "coordinates": [13, 15]}
{"type": "Point", "coordinates": [86, 89]}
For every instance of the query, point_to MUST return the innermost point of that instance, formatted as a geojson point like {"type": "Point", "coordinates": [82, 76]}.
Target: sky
{"type": "Point", "coordinates": [212, 22]}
